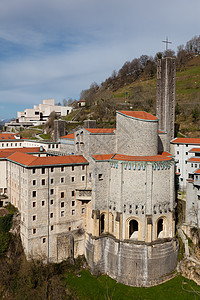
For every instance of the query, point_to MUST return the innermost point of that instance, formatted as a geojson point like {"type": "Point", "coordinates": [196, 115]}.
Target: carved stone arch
{"type": "Point", "coordinates": [133, 228]}
{"type": "Point", "coordinates": [102, 223]}
{"type": "Point", "coordinates": [161, 228]}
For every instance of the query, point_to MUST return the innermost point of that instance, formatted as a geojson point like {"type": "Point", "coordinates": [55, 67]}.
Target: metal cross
{"type": "Point", "coordinates": [167, 42]}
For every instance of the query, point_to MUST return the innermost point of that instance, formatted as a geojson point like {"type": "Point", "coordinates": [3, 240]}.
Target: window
{"type": "Point", "coordinates": [44, 240]}
{"type": "Point", "coordinates": [73, 212]}
{"type": "Point", "coordinates": [51, 215]}
{"type": "Point", "coordinates": [51, 181]}
{"type": "Point", "coordinates": [83, 210]}
{"type": "Point", "coordinates": [195, 165]}
{"type": "Point", "coordinates": [43, 181]}
{"type": "Point", "coordinates": [62, 195]}
{"type": "Point", "coordinates": [70, 228]}
{"type": "Point", "coordinates": [49, 146]}
{"type": "Point", "coordinates": [192, 165]}
{"type": "Point", "coordinates": [100, 176]}
{"type": "Point", "coordinates": [186, 145]}
{"type": "Point", "coordinates": [83, 167]}
{"type": "Point", "coordinates": [34, 218]}
{"type": "Point", "coordinates": [52, 169]}
{"type": "Point", "coordinates": [43, 202]}
{"type": "Point", "coordinates": [73, 203]}
{"type": "Point", "coordinates": [186, 153]}
{"type": "Point", "coordinates": [62, 179]}
{"type": "Point", "coordinates": [34, 193]}
{"type": "Point", "coordinates": [73, 193]}
{"type": "Point", "coordinates": [51, 201]}
{"type": "Point", "coordinates": [177, 152]}
{"type": "Point", "coordinates": [34, 182]}
{"type": "Point", "coordinates": [33, 171]}
{"type": "Point", "coordinates": [62, 204]}
{"type": "Point", "coordinates": [196, 176]}
{"type": "Point", "coordinates": [72, 179]}
{"type": "Point", "coordinates": [34, 230]}
{"type": "Point", "coordinates": [62, 213]}
{"type": "Point", "coordinates": [72, 168]}
{"type": "Point", "coordinates": [57, 146]}
{"type": "Point", "coordinates": [62, 169]}
{"type": "Point", "coordinates": [51, 191]}
{"type": "Point", "coordinates": [34, 204]}
{"type": "Point", "coordinates": [51, 227]}
{"type": "Point", "coordinates": [83, 178]}
{"type": "Point", "coordinates": [43, 170]}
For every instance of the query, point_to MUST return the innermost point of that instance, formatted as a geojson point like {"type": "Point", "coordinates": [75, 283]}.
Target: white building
{"type": "Point", "coordinates": [184, 150]}
{"type": "Point", "coordinates": [39, 113]}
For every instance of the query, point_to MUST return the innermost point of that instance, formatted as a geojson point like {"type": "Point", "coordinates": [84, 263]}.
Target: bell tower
{"type": "Point", "coordinates": [165, 97]}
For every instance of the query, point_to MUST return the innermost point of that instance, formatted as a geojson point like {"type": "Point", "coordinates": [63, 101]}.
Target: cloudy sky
{"type": "Point", "coordinates": [56, 48]}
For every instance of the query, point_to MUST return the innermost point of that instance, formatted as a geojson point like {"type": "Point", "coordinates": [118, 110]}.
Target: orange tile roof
{"type": "Point", "coordinates": [4, 154]}
{"type": "Point", "coordinates": [161, 131]}
{"type": "Point", "coordinates": [103, 156]}
{"type": "Point", "coordinates": [141, 158]}
{"type": "Point", "coordinates": [25, 149]}
{"type": "Point", "coordinates": [162, 157]}
{"type": "Point", "coordinates": [29, 160]}
{"type": "Point", "coordinates": [195, 150]}
{"type": "Point", "coordinates": [194, 159]}
{"type": "Point", "coordinates": [143, 115]}
{"type": "Point", "coordinates": [7, 136]}
{"type": "Point", "coordinates": [100, 130]}
{"type": "Point", "coordinates": [197, 171]}
{"type": "Point", "coordinates": [68, 136]}
{"type": "Point", "coordinates": [186, 141]}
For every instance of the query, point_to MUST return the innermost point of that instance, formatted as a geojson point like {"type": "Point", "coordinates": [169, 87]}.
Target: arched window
{"type": "Point", "coordinates": [160, 228]}
{"type": "Point", "coordinates": [102, 223]}
{"type": "Point", "coordinates": [133, 229]}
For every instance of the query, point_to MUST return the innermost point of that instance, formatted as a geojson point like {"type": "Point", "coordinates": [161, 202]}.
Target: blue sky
{"type": "Point", "coordinates": [56, 48]}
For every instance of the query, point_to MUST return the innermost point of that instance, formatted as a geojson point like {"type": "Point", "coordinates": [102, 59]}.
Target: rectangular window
{"type": "Point", "coordinates": [195, 166]}
{"type": "Point", "coordinates": [62, 213]}
{"type": "Point", "coordinates": [34, 230]}
{"type": "Point", "coordinates": [83, 167]}
{"type": "Point", "coordinates": [34, 218]}
{"type": "Point", "coordinates": [62, 179]}
{"type": "Point", "coordinates": [192, 165]}
{"type": "Point", "coordinates": [51, 215]}
{"type": "Point", "coordinates": [51, 201]}
{"type": "Point", "coordinates": [34, 204]}
{"type": "Point", "coordinates": [83, 178]}
{"type": "Point", "coordinates": [73, 179]}
{"type": "Point", "coordinates": [72, 168]}
{"type": "Point", "coordinates": [44, 240]}
{"type": "Point", "coordinates": [34, 182]}
{"type": "Point", "coordinates": [83, 210]}
{"type": "Point", "coordinates": [73, 193]}
{"type": "Point", "coordinates": [73, 203]}
{"type": "Point", "coordinates": [51, 181]}
{"type": "Point", "coordinates": [177, 152]}
{"type": "Point", "coordinates": [62, 195]}
{"type": "Point", "coordinates": [100, 176]}
{"type": "Point", "coordinates": [51, 191]}
{"type": "Point", "coordinates": [33, 171]}
{"type": "Point", "coordinates": [34, 193]}
{"type": "Point", "coordinates": [73, 212]}
{"type": "Point", "coordinates": [43, 170]}
{"type": "Point", "coordinates": [43, 181]}
{"type": "Point", "coordinates": [52, 169]}
{"type": "Point", "coordinates": [186, 153]}
{"type": "Point", "coordinates": [51, 227]}
{"type": "Point", "coordinates": [62, 169]}
{"type": "Point", "coordinates": [43, 202]}
{"type": "Point", "coordinates": [62, 204]}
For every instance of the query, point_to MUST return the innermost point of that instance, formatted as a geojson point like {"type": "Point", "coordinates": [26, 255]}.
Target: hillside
{"type": "Point", "coordinates": [141, 95]}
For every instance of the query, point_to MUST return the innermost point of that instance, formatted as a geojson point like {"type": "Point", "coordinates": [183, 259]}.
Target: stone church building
{"type": "Point", "coordinates": [113, 200]}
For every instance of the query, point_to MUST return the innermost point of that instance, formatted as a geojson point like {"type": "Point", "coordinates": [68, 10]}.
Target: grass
{"type": "Point", "coordinates": [86, 286]}
{"type": "Point", "coordinates": [45, 136]}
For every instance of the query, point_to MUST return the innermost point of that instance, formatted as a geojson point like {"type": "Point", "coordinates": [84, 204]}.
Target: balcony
{"type": "Point", "coordinates": [84, 195]}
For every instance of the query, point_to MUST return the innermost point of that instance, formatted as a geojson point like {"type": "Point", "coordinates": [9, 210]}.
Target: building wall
{"type": "Point", "coordinates": [136, 137]}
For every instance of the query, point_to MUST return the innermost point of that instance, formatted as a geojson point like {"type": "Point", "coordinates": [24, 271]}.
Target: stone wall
{"type": "Point", "coordinates": [136, 137]}
{"type": "Point", "coordinates": [132, 263]}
